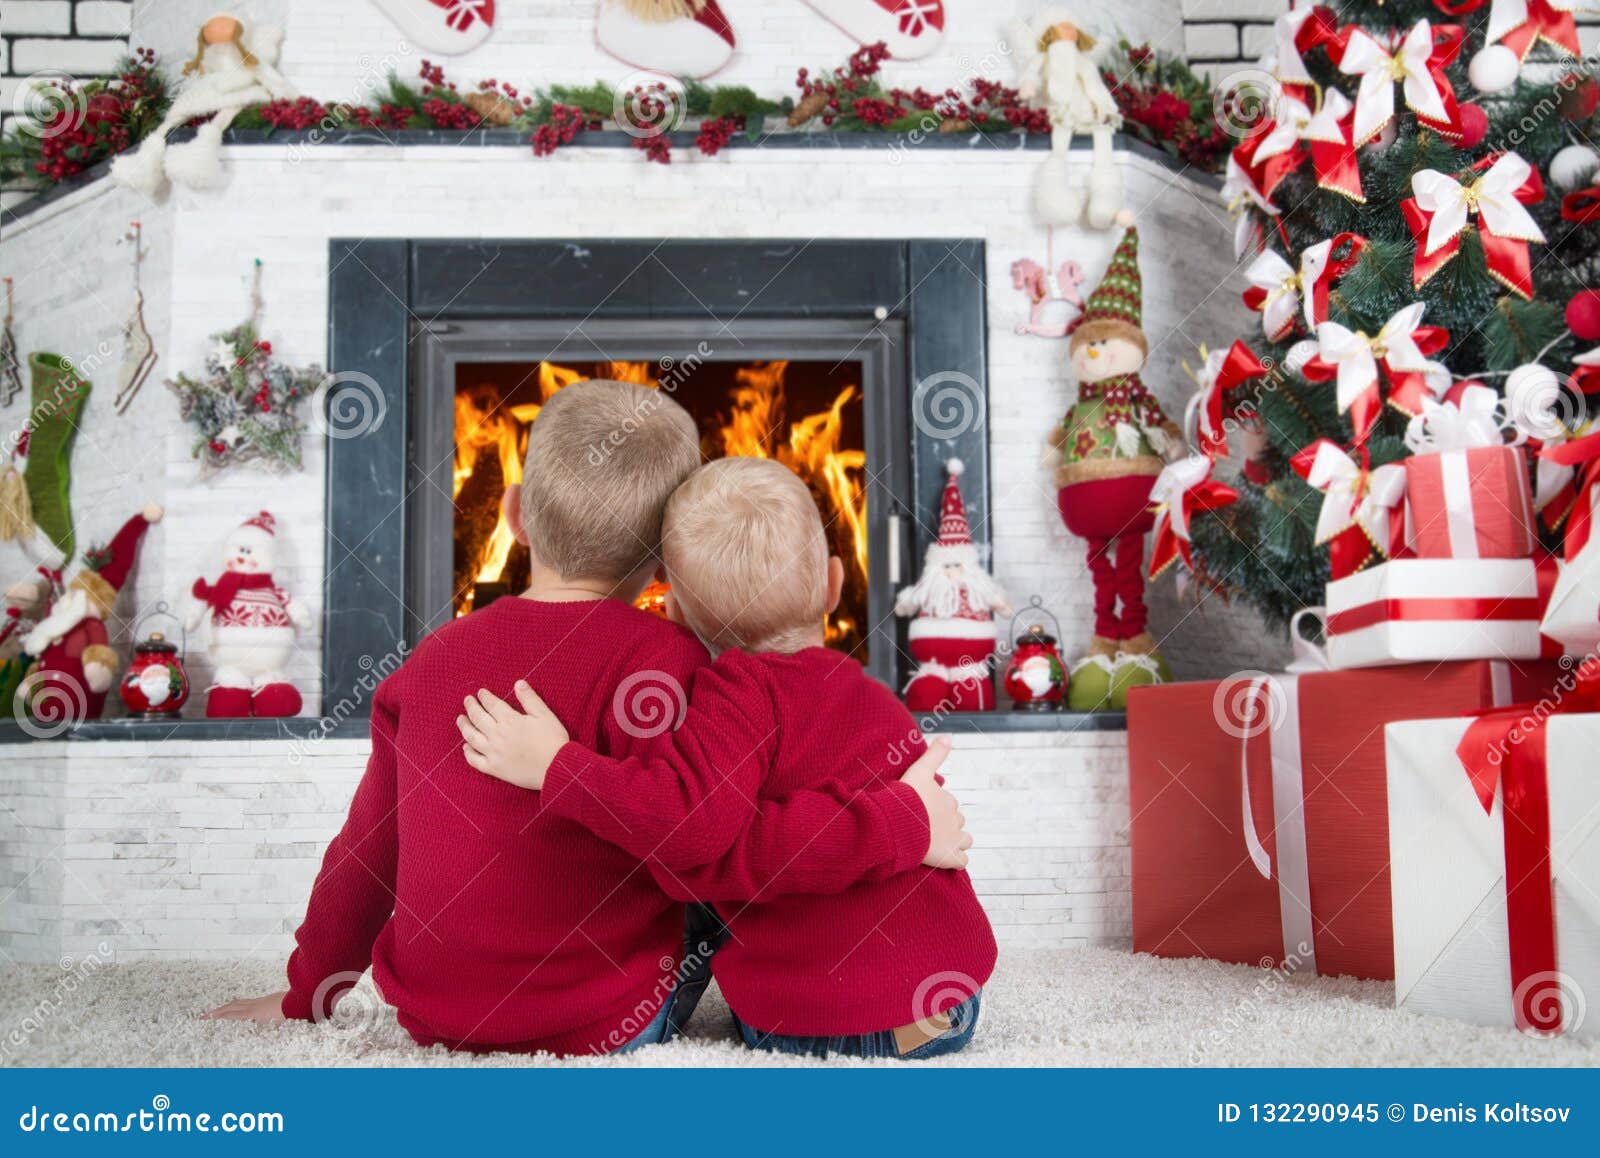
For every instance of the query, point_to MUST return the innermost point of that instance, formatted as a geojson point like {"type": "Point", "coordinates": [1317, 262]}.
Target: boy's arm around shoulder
{"type": "Point", "coordinates": [354, 892]}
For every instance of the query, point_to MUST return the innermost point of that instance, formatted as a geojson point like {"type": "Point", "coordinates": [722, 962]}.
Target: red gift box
{"type": "Point", "coordinates": [1470, 504]}
{"type": "Point", "coordinates": [1259, 808]}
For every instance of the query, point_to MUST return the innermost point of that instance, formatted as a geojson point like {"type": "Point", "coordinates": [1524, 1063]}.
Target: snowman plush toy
{"type": "Point", "coordinates": [252, 625]}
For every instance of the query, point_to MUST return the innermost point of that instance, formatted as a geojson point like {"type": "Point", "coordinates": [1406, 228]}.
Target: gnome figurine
{"type": "Point", "coordinates": [953, 605]}
{"type": "Point", "coordinates": [1113, 443]}
{"type": "Point", "coordinates": [253, 622]}
{"type": "Point", "coordinates": [75, 665]}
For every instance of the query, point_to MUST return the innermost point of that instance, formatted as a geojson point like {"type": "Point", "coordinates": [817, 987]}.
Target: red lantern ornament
{"type": "Point", "coordinates": [1036, 679]}
{"type": "Point", "coordinates": [1583, 315]}
{"type": "Point", "coordinates": [155, 685]}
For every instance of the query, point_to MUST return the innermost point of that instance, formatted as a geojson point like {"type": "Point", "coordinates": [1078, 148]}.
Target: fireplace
{"type": "Point", "coordinates": [835, 358]}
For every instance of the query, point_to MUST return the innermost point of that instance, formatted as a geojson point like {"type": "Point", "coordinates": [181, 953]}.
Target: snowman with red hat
{"type": "Point", "coordinates": [253, 622]}
{"type": "Point", "coordinates": [953, 605]}
{"type": "Point", "coordinates": [74, 663]}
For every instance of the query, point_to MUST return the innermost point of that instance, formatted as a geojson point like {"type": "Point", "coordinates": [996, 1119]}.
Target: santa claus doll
{"type": "Point", "coordinates": [1113, 444]}
{"type": "Point", "coordinates": [252, 622]}
{"type": "Point", "coordinates": [953, 605]}
{"type": "Point", "coordinates": [233, 68]}
{"type": "Point", "coordinates": [74, 664]}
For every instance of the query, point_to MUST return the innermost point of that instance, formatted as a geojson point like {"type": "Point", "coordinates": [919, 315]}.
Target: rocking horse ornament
{"type": "Point", "coordinates": [138, 348]}
{"type": "Point", "coordinates": [1054, 294]}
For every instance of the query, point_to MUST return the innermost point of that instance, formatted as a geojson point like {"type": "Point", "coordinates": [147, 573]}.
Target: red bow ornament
{"type": "Point", "coordinates": [1442, 209]}
{"type": "Point", "coordinates": [1417, 64]}
{"type": "Point", "coordinates": [1222, 372]}
{"type": "Point", "coordinates": [1181, 490]}
{"type": "Point", "coordinates": [1279, 292]}
{"type": "Point", "coordinates": [1519, 24]}
{"type": "Point", "coordinates": [1581, 206]}
{"type": "Point", "coordinates": [1362, 510]}
{"type": "Point", "coordinates": [1583, 456]}
{"type": "Point", "coordinates": [1400, 350]}
{"type": "Point", "coordinates": [1296, 33]}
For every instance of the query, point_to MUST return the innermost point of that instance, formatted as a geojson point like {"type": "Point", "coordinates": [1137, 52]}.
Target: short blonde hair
{"type": "Point", "coordinates": [747, 556]}
{"type": "Point", "coordinates": [603, 459]}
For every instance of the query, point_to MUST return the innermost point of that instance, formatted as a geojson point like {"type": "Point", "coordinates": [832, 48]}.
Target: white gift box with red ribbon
{"type": "Point", "coordinates": [1412, 610]}
{"type": "Point", "coordinates": [1472, 939]}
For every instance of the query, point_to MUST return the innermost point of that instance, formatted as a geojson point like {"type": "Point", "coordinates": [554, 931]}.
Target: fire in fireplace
{"type": "Point", "coordinates": [806, 414]}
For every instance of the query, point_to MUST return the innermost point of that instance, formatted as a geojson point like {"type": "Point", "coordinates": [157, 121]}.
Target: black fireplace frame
{"type": "Point", "coordinates": [393, 303]}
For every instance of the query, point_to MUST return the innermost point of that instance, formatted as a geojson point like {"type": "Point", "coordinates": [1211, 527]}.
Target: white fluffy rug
{"type": "Point", "coordinates": [1087, 1007]}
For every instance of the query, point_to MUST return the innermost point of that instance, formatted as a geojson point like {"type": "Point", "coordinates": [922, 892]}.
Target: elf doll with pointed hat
{"type": "Point", "coordinates": [1113, 443]}
{"type": "Point", "coordinates": [75, 665]}
{"type": "Point", "coordinates": [953, 605]}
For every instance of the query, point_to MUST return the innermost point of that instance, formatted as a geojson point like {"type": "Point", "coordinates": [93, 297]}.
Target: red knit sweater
{"type": "Point", "coordinates": [489, 921]}
{"type": "Point", "coordinates": [857, 951]}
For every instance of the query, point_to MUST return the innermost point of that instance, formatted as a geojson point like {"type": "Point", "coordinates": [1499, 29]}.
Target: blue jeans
{"type": "Point", "coordinates": [963, 1020]}
{"type": "Point", "coordinates": [703, 935]}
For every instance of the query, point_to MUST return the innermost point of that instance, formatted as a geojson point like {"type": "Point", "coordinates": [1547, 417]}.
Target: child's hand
{"type": "Point", "coordinates": [507, 744]}
{"type": "Point", "coordinates": [268, 1008]}
{"type": "Point", "coordinates": [948, 839]}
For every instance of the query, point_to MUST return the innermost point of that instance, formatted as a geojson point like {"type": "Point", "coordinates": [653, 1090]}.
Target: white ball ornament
{"type": "Point", "coordinates": [1494, 69]}
{"type": "Point", "coordinates": [1573, 167]}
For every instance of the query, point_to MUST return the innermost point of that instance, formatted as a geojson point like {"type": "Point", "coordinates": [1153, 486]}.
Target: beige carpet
{"type": "Point", "coordinates": [1089, 1007]}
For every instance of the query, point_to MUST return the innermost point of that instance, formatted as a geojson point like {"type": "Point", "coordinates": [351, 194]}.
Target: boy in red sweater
{"type": "Point", "coordinates": [490, 922]}
{"type": "Point", "coordinates": [875, 964]}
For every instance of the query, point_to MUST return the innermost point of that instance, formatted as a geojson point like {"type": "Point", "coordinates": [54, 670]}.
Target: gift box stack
{"type": "Point", "coordinates": [1410, 800]}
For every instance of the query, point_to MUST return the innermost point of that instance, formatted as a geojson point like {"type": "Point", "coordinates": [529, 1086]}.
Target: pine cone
{"type": "Point", "coordinates": [955, 125]}
{"type": "Point", "coordinates": [808, 108]}
{"type": "Point", "coordinates": [492, 107]}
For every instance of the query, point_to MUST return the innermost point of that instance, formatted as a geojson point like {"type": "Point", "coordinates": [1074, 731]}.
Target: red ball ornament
{"type": "Point", "coordinates": [1583, 315]}
{"type": "Point", "coordinates": [1579, 97]}
{"type": "Point", "coordinates": [1474, 126]}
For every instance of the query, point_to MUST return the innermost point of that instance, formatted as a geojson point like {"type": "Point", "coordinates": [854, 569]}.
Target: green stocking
{"type": "Point", "coordinates": [58, 397]}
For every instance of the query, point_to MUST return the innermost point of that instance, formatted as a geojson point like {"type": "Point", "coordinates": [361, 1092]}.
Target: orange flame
{"type": "Point", "coordinates": [755, 424]}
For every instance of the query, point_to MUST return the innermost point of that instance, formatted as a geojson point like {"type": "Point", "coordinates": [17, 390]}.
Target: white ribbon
{"type": "Point", "coordinates": [1356, 355]}
{"type": "Point", "coordinates": [1346, 503]}
{"type": "Point", "coordinates": [1174, 482]}
{"type": "Point", "coordinates": [1474, 421]}
{"type": "Point", "coordinates": [1379, 68]}
{"type": "Point", "coordinates": [1493, 195]}
{"type": "Point", "coordinates": [1314, 261]}
{"type": "Point", "coordinates": [1277, 278]}
{"type": "Point", "coordinates": [1290, 119]}
{"type": "Point", "coordinates": [1309, 655]}
{"type": "Point", "coordinates": [1282, 715]}
{"type": "Point", "coordinates": [1286, 63]}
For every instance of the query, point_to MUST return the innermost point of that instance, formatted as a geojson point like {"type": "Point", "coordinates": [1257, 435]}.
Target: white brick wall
{"type": "Point", "coordinates": [81, 38]}
{"type": "Point", "coordinates": [209, 850]}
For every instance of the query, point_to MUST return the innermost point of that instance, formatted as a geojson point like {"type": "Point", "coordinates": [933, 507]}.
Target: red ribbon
{"type": "Point", "coordinates": [1506, 748]}
{"type": "Point", "coordinates": [1335, 164]}
{"type": "Point", "coordinates": [1506, 258]}
{"type": "Point", "coordinates": [1240, 366]}
{"type": "Point", "coordinates": [1583, 453]}
{"type": "Point", "coordinates": [1460, 8]}
{"type": "Point", "coordinates": [1581, 206]}
{"type": "Point", "coordinates": [1493, 609]}
{"type": "Point", "coordinates": [1337, 267]}
{"type": "Point", "coordinates": [1169, 546]}
{"type": "Point", "coordinates": [1551, 25]}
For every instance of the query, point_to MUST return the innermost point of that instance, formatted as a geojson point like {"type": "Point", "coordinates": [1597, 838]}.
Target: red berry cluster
{"type": "Point", "coordinates": [716, 133]}
{"type": "Point", "coordinates": [450, 114]}
{"type": "Point", "coordinates": [565, 123]}
{"type": "Point", "coordinates": [88, 123]}
{"type": "Point", "coordinates": [845, 84]}
{"type": "Point", "coordinates": [657, 147]}
{"type": "Point", "coordinates": [385, 116]}
{"type": "Point", "coordinates": [301, 113]}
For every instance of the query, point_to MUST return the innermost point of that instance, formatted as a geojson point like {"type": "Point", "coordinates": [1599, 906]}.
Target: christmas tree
{"type": "Point", "coordinates": [1415, 212]}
